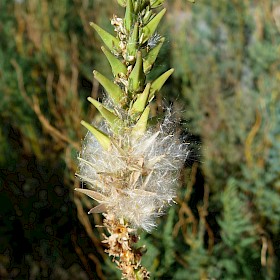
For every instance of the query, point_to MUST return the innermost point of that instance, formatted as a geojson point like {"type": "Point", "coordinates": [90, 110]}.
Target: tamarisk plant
{"type": "Point", "coordinates": [131, 169]}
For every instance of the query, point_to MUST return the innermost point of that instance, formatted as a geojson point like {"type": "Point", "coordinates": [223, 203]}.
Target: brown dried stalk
{"type": "Point", "coordinates": [121, 245]}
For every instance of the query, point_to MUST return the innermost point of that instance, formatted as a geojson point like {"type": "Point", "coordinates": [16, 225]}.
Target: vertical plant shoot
{"type": "Point", "coordinates": [130, 168]}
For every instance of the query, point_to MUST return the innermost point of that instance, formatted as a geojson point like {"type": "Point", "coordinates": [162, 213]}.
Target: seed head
{"type": "Point", "coordinates": [137, 177]}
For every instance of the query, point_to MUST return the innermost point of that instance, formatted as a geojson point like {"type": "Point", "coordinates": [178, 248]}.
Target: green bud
{"type": "Point", "coordinates": [147, 17]}
{"type": "Point", "coordinates": [116, 65]}
{"type": "Point", "coordinates": [129, 15]}
{"type": "Point", "coordinates": [145, 3]}
{"type": "Point", "coordinates": [141, 101]}
{"type": "Point", "coordinates": [149, 29]}
{"type": "Point", "coordinates": [109, 40]}
{"type": "Point", "coordinates": [137, 6]}
{"type": "Point", "coordinates": [159, 82]}
{"type": "Point", "coordinates": [133, 43]}
{"type": "Point", "coordinates": [115, 123]}
{"type": "Point", "coordinates": [141, 126]}
{"type": "Point", "coordinates": [112, 89]}
{"type": "Point", "coordinates": [137, 77]}
{"type": "Point", "coordinates": [151, 57]}
{"type": "Point", "coordinates": [100, 136]}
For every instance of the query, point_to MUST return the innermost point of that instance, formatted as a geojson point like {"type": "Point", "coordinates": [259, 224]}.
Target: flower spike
{"type": "Point", "coordinates": [131, 166]}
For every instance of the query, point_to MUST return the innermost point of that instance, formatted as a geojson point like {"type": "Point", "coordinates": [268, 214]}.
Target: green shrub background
{"type": "Point", "coordinates": [226, 90]}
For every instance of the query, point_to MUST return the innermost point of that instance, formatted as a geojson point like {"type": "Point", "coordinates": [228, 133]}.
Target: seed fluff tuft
{"type": "Point", "coordinates": [136, 179]}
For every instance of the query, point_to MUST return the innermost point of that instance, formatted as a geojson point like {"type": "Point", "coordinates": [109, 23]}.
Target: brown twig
{"type": "Point", "coordinates": [250, 139]}
{"type": "Point", "coordinates": [84, 219]}
{"type": "Point", "coordinates": [81, 255]}
{"type": "Point", "coordinates": [48, 127]}
{"type": "Point", "coordinates": [98, 268]}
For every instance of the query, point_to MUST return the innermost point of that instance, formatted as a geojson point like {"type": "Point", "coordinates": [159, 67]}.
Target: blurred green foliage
{"type": "Point", "coordinates": [226, 88]}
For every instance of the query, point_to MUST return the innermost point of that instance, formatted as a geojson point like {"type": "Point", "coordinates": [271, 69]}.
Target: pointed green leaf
{"type": "Point", "coordinates": [137, 77]}
{"type": "Point", "coordinates": [115, 123]}
{"type": "Point", "coordinates": [112, 89]}
{"type": "Point", "coordinates": [132, 43]}
{"type": "Point", "coordinates": [141, 101]}
{"type": "Point", "coordinates": [109, 40]}
{"type": "Point", "coordinates": [149, 29]}
{"type": "Point", "coordinates": [129, 15]}
{"type": "Point", "coordinates": [100, 136]}
{"type": "Point", "coordinates": [159, 82]}
{"type": "Point", "coordinates": [116, 65]}
{"type": "Point", "coordinates": [151, 57]}
{"type": "Point", "coordinates": [141, 125]}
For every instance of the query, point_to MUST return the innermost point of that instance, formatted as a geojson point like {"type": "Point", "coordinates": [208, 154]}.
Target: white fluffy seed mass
{"type": "Point", "coordinates": [137, 177]}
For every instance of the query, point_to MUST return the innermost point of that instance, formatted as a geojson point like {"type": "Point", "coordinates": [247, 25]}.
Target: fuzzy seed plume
{"type": "Point", "coordinates": [136, 179]}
